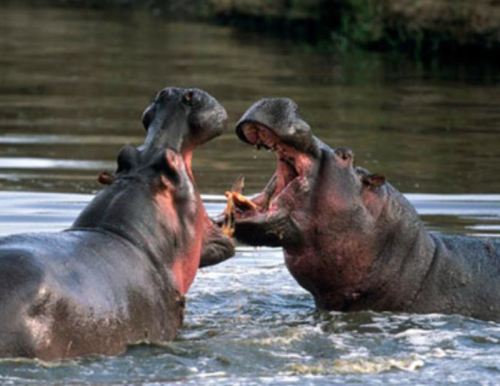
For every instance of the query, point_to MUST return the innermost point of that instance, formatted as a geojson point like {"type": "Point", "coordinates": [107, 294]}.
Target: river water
{"type": "Point", "coordinates": [73, 84]}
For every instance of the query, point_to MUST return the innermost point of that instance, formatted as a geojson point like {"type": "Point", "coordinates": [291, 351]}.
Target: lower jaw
{"type": "Point", "coordinates": [187, 156]}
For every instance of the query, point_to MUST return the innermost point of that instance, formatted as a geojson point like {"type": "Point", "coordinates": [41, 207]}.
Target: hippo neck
{"type": "Point", "coordinates": [381, 266]}
{"type": "Point", "coordinates": [403, 260]}
{"type": "Point", "coordinates": [128, 209]}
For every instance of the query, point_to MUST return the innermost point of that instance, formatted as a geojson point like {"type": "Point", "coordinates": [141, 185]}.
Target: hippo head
{"type": "Point", "coordinates": [178, 119]}
{"type": "Point", "coordinates": [345, 232]}
{"type": "Point", "coordinates": [312, 184]}
{"type": "Point", "coordinates": [154, 184]}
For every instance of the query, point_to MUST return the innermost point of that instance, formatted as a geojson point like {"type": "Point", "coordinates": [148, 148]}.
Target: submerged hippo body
{"type": "Point", "coordinates": [118, 276]}
{"type": "Point", "coordinates": [350, 238]}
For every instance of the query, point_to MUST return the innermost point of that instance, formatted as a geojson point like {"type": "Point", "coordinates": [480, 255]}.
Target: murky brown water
{"type": "Point", "coordinates": [73, 84]}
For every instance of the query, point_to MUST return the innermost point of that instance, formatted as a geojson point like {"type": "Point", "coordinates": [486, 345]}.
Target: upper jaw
{"type": "Point", "coordinates": [183, 119]}
{"type": "Point", "coordinates": [281, 116]}
{"type": "Point", "coordinates": [300, 140]}
{"type": "Point", "coordinates": [207, 124]}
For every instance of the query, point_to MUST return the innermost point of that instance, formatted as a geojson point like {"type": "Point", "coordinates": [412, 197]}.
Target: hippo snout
{"type": "Point", "coordinates": [183, 118]}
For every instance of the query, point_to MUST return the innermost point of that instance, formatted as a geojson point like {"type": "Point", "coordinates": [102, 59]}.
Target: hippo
{"type": "Point", "coordinates": [119, 274]}
{"type": "Point", "coordinates": [349, 237]}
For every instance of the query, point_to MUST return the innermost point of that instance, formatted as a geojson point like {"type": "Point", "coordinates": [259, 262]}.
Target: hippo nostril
{"type": "Point", "coordinates": [187, 98]}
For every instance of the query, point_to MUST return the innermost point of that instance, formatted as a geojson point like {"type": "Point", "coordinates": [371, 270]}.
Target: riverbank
{"type": "Point", "coordinates": [421, 27]}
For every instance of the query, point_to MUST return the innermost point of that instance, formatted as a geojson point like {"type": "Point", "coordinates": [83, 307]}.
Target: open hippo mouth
{"type": "Point", "coordinates": [266, 218]}
{"type": "Point", "coordinates": [292, 167]}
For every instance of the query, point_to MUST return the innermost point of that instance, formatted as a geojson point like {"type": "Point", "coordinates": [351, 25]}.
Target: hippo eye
{"type": "Point", "coordinates": [187, 98]}
{"type": "Point", "coordinates": [344, 153]}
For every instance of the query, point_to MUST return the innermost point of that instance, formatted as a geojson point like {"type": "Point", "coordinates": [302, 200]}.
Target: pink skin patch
{"type": "Point", "coordinates": [187, 262]}
{"type": "Point", "coordinates": [187, 259]}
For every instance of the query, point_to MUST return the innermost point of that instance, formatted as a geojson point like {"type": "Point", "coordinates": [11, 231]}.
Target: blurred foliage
{"type": "Point", "coordinates": [418, 26]}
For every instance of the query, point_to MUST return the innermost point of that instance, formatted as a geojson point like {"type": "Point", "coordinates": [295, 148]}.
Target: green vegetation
{"type": "Point", "coordinates": [418, 26]}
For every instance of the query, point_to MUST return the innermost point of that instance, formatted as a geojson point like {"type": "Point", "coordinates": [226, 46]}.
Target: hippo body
{"type": "Point", "coordinates": [118, 276]}
{"type": "Point", "coordinates": [463, 278]}
{"type": "Point", "coordinates": [350, 238]}
{"type": "Point", "coordinates": [64, 295]}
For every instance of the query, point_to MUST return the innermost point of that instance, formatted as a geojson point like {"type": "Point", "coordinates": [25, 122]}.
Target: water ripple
{"type": "Point", "coordinates": [249, 323]}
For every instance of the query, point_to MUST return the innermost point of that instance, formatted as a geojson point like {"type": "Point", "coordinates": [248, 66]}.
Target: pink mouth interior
{"type": "Point", "coordinates": [291, 164]}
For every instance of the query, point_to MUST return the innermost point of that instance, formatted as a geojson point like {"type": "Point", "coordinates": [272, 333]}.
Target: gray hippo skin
{"type": "Point", "coordinates": [118, 276]}
{"type": "Point", "coordinates": [350, 238]}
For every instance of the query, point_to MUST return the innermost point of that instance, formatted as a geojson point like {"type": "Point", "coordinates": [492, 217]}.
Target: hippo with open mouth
{"type": "Point", "coordinates": [118, 276]}
{"type": "Point", "coordinates": [349, 237]}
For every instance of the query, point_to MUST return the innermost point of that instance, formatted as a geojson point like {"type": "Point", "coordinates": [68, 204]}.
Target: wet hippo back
{"type": "Point", "coordinates": [66, 295]}
{"type": "Point", "coordinates": [463, 278]}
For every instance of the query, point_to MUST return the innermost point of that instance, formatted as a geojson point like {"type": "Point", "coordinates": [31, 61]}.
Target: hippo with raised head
{"type": "Point", "coordinates": [118, 276]}
{"type": "Point", "coordinates": [349, 237]}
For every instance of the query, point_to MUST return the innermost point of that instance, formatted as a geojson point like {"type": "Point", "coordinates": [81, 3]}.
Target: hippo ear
{"type": "Point", "coordinates": [105, 178]}
{"type": "Point", "coordinates": [173, 159]}
{"type": "Point", "coordinates": [128, 158]}
{"type": "Point", "coordinates": [373, 180]}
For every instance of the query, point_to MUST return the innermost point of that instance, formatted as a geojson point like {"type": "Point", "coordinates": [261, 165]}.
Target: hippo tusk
{"type": "Point", "coordinates": [235, 198]}
{"type": "Point", "coordinates": [228, 224]}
